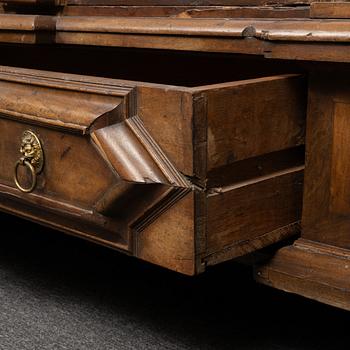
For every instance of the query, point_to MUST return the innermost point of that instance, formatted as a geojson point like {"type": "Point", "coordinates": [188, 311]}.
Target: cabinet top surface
{"type": "Point", "coordinates": [286, 29]}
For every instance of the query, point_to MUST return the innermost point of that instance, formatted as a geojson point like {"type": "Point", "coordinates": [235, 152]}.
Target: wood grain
{"type": "Point", "coordinates": [234, 118]}
{"type": "Point", "coordinates": [189, 11]}
{"type": "Point", "coordinates": [74, 190]}
{"type": "Point", "coordinates": [330, 9]}
{"type": "Point", "coordinates": [312, 270]}
{"type": "Point", "coordinates": [188, 2]}
{"type": "Point", "coordinates": [316, 266]}
{"type": "Point", "coordinates": [174, 118]}
{"type": "Point", "coordinates": [245, 211]}
{"type": "Point", "coordinates": [127, 171]}
{"type": "Point", "coordinates": [326, 189]}
{"type": "Point", "coordinates": [270, 38]}
{"type": "Point", "coordinates": [172, 235]}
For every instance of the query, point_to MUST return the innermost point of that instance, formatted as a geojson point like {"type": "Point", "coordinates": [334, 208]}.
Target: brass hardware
{"type": "Point", "coordinates": [32, 171]}
{"type": "Point", "coordinates": [32, 158]}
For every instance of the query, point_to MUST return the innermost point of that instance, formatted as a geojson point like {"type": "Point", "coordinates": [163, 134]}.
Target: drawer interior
{"type": "Point", "coordinates": [187, 69]}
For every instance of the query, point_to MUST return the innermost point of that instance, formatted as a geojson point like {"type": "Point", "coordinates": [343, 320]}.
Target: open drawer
{"type": "Point", "coordinates": [181, 177]}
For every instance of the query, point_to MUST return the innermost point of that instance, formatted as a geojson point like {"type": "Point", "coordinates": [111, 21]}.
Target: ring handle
{"type": "Point", "coordinates": [32, 158]}
{"type": "Point", "coordinates": [27, 164]}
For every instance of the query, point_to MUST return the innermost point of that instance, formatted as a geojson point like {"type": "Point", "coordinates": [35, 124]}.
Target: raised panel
{"type": "Point", "coordinates": [73, 170]}
{"type": "Point", "coordinates": [326, 209]}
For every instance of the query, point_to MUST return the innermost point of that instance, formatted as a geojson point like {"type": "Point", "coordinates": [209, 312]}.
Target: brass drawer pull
{"type": "Point", "coordinates": [32, 171]}
{"type": "Point", "coordinates": [32, 158]}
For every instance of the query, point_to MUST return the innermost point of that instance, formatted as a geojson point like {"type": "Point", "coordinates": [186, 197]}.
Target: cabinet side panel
{"type": "Point", "coordinates": [326, 212]}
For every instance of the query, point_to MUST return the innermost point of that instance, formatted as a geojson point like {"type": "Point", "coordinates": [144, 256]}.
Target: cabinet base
{"type": "Point", "coordinates": [311, 269]}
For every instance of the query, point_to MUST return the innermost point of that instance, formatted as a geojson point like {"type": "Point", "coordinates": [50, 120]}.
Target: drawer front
{"type": "Point", "coordinates": [73, 170]}
{"type": "Point", "coordinates": [135, 166]}
{"type": "Point", "coordinates": [74, 152]}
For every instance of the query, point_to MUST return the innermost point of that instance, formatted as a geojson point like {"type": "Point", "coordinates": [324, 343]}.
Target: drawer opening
{"type": "Point", "coordinates": [186, 69]}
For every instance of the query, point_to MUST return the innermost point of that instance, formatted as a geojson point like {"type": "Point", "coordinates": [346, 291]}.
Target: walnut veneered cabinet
{"type": "Point", "coordinates": [178, 176]}
{"type": "Point", "coordinates": [181, 139]}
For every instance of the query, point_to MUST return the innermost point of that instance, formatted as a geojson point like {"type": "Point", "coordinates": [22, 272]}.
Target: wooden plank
{"type": "Point", "coordinates": [283, 30]}
{"type": "Point", "coordinates": [297, 40]}
{"type": "Point", "coordinates": [256, 167]}
{"type": "Point", "coordinates": [188, 2]}
{"type": "Point", "coordinates": [273, 39]}
{"type": "Point", "coordinates": [241, 127]}
{"type": "Point", "coordinates": [189, 11]}
{"type": "Point", "coordinates": [20, 38]}
{"type": "Point", "coordinates": [330, 9]}
{"type": "Point", "coordinates": [322, 52]}
{"type": "Point", "coordinates": [13, 22]}
{"type": "Point", "coordinates": [326, 212]}
{"type": "Point", "coordinates": [316, 271]}
{"type": "Point", "coordinates": [302, 30]}
{"type": "Point", "coordinates": [170, 122]}
{"type": "Point", "coordinates": [158, 26]}
{"type": "Point", "coordinates": [179, 43]}
{"type": "Point", "coordinates": [318, 150]}
{"type": "Point", "coordinates": [331, 229]}
{"type": "Point", "coordinates": [60, 111]}
{"type": "Point", "coordinates": [170, 240]}
{"type": "Point", "coordinates": [243, 249]}
{"type": "Point", "coordinates": [247, 210]}
{"type": "Point", "coordinates": [26, 29]}
{"type": "Point", "coordinates": [66, 218]}
{"type": "Point", "coordinates": [340, 187]}
{"type": "Point", "coordinates": [291, 30]}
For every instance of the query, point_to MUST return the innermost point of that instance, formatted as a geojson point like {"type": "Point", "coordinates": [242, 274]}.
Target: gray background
{"type": "Point", "coordinates": [59, 292]}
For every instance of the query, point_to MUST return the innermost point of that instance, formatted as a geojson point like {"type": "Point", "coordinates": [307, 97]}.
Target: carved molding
{"type": "Point", "coordinates": [149, 181]}
{"type": "Point", "coordinates": [102, 110]}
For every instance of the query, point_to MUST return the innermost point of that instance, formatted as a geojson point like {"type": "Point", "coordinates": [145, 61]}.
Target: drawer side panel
{"type": "Point", "coordinates": [249, 213]}
{"type": "Point", "coordinates": [251, 118]}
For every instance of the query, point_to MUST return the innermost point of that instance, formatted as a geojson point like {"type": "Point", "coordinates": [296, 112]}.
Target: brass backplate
{"type": "Point", "coordinates": [32, 150]}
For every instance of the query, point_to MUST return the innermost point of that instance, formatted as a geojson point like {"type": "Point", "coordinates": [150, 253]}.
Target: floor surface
{"type": "Point", "coordinates": [59, 292]}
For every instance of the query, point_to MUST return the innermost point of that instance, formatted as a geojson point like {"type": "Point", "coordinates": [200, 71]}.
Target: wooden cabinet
{"type": "Point", "coordinates": [187, 147]}
{"type": "Point", "coordinates": [179, 176]}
